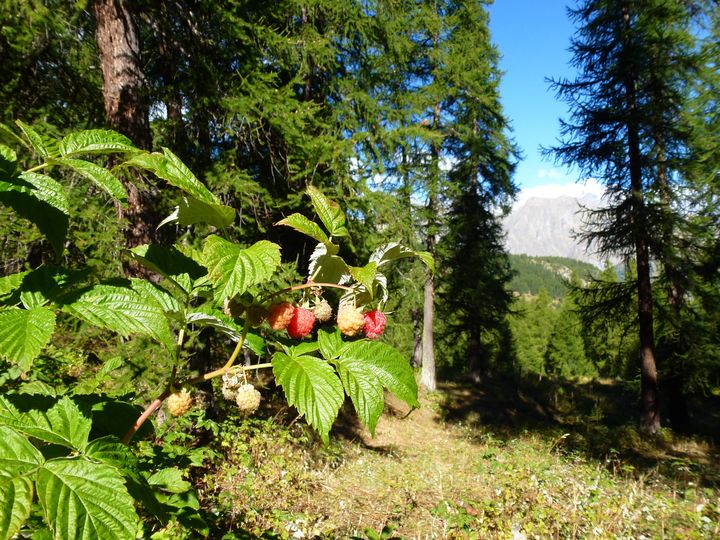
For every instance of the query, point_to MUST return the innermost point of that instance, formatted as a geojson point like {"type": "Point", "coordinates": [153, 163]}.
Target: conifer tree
{"type": "Point", "coordinates": [633, 58]}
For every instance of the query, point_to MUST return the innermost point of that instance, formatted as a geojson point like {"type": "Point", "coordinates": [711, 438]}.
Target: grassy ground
{"type": "Point", "coordinates": [499, 460]}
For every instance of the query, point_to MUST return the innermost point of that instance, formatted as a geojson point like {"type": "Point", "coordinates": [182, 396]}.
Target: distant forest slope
{"type": "Point", "coordinates": [549, 273]}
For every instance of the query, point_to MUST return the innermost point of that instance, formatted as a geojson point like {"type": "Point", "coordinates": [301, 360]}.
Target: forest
{"type": "Point", "coordinates": [253, 281]}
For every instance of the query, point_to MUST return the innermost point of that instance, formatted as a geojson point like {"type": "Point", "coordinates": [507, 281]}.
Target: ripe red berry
{"type": "Point", "coordinates": [280, 315]}
{"type": "Point", "coordinates": [301, 323]}
{"type": "Point", "coordinates": [374, 323]}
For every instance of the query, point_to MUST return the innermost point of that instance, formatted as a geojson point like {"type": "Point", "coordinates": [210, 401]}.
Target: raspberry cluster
{"type": "Point", "coordinates": [351, 320]}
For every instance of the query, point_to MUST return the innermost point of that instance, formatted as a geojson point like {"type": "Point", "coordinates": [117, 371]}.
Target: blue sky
{"type": "Point", "coordinates": [533, 37]}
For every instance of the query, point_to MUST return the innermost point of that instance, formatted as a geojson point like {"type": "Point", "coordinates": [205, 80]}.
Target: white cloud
{"type": "Point", "coordinates": [551, 173]}
{"type": "Point", "coordinates": [589, 187]}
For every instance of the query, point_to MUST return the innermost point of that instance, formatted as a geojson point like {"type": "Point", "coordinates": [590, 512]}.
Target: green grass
{"type": "Point", "coordinates": [505, 459]}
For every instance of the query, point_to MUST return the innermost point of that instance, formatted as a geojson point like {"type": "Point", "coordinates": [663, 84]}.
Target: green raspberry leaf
{"type": "Point", "coordinates": [302, 224]}
{"type": "Point", "coordinates": [387, 365]}
{"type": "Point", "coordinates": [312, 387]}
{"type": "Point", "coordinates": [83, 500]}
{"type": "Point", "coordinates": [18, 458]}
{"type": "Point", "coordinates": [233, 270]}
{"type": "Point", "coordinates": [329, 212]}
{"type": "Point", "coordinates": [24, 333]}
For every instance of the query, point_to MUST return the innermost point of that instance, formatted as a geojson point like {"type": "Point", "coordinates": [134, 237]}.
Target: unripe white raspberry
{"type": "Point", "coordinates": [179, 403]}
{"type": "Point", "coordinates": [247, 399]}
{"type": "Point", "coordinates": [230, 384]}
{"type": "Point", "coordinates": [350, 319]}
{"type": "Point", "coordinates": [322, 311]}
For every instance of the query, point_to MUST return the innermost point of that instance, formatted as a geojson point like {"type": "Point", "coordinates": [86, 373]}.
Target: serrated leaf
{"type": "Point", "coordinates": [363, 386]}
{"type": "Point", "coordinates": [97, 174]}
{"type": "Point", "coordinates": [206, 316]}
{"type": "Point", "coordinates": [9, 414]}
{"type": "Point", "coordinates": [327, 268]}
{"type": "Point", "coordinates": [18, 458]}
{"type": "Point", "coordinates": [365, 276]}
{"type": "Point", "coordinates": [46, 282]}
{"type": "Point", "coordinates": [329, 212]}
{"type": "Point", "coordinates": [95, 141]}
{"type": "Point", "coordinates": [83, 500]}
{"type": "Point", "coordinates": [167, 302]}
{"type": "Point", "coordinates": [38, 388]}
{"type": "Point", "coordinates": [170, 480]}
{"type": "Point", "coordinates": [312, 387]}
{"type": "Point", "coordinates": [122, 310]}
{"type": "Point", "coordinates": [64, 424]}
{"type": "Point", "coordinates": [35, 139]}
{"type": "Point", "coordinates": [9, 135]}
{"type": "Point", "coordinates": [48, 190]}
{"type": "Point", "coordinates": [8, 162]}
{"type": "Point", "coordinates": [425, 257]}
{"type": "Point", "coordinates": [110, 451]}
{"type": "Point", "coordinates": [167, 261]}
{"type": "Point", "coordinates": [11, 282]}
{"type": "Point", "coordinates": [24, 333]}
{"type": "Point", "coordinates": [191, 211]}
{"type": "Point", "coordinates": [232, 269]}
{"type": "Point", "coordinates": [387, 364]}
{"type": "Point", "coordinates": [169, 167]}
{"type": "Point", "coordinates": [330, 342]}
{"type": "Point", "coordinates": [302, 224]}
{"type": "Point", "coordinates": [394, 251]}
{"type": "Point", "coordinates": [21, 197]}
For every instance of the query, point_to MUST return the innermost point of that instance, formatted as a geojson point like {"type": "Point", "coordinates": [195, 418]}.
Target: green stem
{"type": "Point", "coordinates": [38, 168]}
{"type": "Point", "coordinates": [206, 377]}
{"type": "Point", "coordinates": [238, 347]}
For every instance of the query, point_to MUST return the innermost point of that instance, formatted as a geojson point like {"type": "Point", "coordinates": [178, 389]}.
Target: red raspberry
{"type": "Point", "coordinates": [279, 315]}
{"type": "Point", "coordinates": [301, 324]}
{"type": "Point", "coordinates": [374, 323]}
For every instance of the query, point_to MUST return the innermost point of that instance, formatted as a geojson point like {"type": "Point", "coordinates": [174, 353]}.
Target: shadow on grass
{"type": "Point", "coordinates": [594, 419]}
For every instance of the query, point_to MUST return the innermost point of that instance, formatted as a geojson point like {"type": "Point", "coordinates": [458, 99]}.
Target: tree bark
{"type": "Point", "coordinates": [126, 106]}
{"type": "Point", "coordinates": [427, 374]}
{"type": "Point", "coordinates": [648, 369]}
{"type": "Point", "coordinates": [123, 80]}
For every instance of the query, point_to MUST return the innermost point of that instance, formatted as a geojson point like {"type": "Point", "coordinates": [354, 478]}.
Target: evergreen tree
{"type": "Point", "coordinates": [474, 296]}
{"type": "Point", "coordinates": [632, 57]}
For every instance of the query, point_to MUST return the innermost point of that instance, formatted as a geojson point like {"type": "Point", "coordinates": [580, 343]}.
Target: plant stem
{"type": "Point", "coordinates": [307, 286]}
{"type": "Point", "coordinates": [223, 370]}
{"type": "Point", "coordinates": [38, 168]}
{"type": "Point", "coordinates": [145, 415]}
{"type": "Point", "coordinates": [238, 347]}
{"type": "Point", "coordinates": [190, 382]}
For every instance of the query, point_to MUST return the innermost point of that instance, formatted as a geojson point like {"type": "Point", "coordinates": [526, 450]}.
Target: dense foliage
{"type": "Point", "coordinates": [164, 154]}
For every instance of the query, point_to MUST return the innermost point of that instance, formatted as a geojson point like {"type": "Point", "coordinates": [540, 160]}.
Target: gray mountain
{"type": "Point", "coordinates": [545, 226]}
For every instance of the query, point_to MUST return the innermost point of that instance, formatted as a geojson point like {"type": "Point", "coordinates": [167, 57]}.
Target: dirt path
{"type": "Point", "coordinates": [413, 464]}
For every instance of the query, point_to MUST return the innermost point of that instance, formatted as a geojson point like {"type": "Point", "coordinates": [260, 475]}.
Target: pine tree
{"type": "Point", "coordinates": [631, 56]}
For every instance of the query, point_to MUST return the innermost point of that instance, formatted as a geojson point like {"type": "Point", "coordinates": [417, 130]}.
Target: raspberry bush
{"type": "Point", "coordinates": [68, 451]}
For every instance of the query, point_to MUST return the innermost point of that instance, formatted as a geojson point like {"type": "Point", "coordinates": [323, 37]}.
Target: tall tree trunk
{"type": "Point", "coordinates": [427, 375]}
{"type": "Point", "coordinates": [674, 379]}
{"type": "Point", "coordinates": [648, 368]}
{"type": "Point", "coordinates": [126, 107]}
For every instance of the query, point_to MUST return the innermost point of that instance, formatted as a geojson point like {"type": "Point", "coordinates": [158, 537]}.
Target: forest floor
{"type": "Point", "coordinates": [491, 461]}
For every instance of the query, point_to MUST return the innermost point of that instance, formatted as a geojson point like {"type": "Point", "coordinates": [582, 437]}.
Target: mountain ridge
{"type": "Point", "coordinates": [543, 226]}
